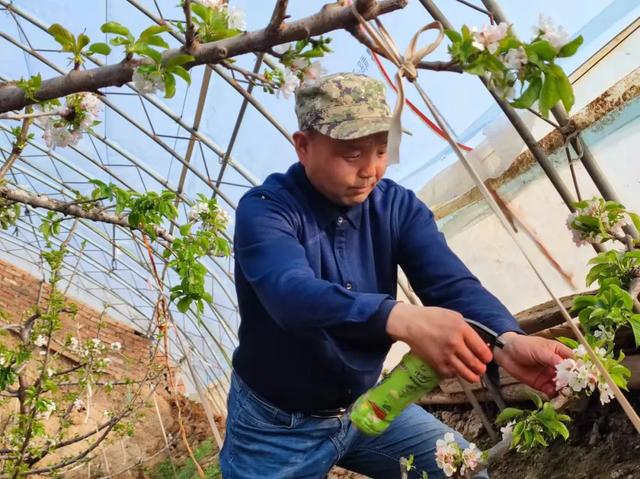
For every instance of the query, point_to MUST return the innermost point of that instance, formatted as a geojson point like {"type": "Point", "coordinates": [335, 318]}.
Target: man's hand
{"type": "Point", "coordinates": [442, 339]}
{"type": "Point", "coordinates": [532, 360]}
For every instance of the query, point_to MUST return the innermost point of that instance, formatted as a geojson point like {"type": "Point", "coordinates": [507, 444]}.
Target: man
{"type": "Point", "coordinates": [317, 251]}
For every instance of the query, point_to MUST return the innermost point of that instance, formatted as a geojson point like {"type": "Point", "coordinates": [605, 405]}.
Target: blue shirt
{"type": "Point", "coordinates": [316, 282]}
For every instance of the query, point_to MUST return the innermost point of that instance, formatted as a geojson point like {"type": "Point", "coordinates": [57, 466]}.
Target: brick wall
{"type": "Point", "coordinates": [18, 293]}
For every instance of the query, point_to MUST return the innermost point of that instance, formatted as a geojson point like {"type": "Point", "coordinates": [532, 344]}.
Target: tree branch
{"type": "Point", "coordinates": [253, 78]}
{"type": "Point", "coordinates": [276, 24]}
{"type": "Point", "coordinates": [450, 66]}
{"type": "Point", "coordinates": [18, 146]}
{"type": "Point", "coordinates": [327, 19]}
{"type": "Point", "coordinates": [71, 209]}
{"type": "Point", "coordinates": [190, 31]}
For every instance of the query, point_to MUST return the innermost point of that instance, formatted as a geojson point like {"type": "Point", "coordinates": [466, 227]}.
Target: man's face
{"type": "Point", "coordinates": [344, 171]}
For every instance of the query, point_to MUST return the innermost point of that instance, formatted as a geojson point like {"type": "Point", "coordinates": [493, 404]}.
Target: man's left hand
{"type": "Point", "coordinates": [532, 360]}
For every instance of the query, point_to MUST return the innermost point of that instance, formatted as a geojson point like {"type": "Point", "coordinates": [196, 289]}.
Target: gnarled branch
{"type": "Point", "coordinates": [72, 209]}
{"type": "Point", "coordinates": [327, 19]}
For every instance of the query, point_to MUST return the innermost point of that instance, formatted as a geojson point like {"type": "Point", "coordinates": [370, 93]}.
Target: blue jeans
{"type": "Point", "coordinates": [265, 442]}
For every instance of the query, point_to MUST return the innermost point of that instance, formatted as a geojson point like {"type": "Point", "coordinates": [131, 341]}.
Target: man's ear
{"type": "Point", "coordinates": [301, 144]}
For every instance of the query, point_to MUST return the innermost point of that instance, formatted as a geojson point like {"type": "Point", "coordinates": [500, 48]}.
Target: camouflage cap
{"type": "Point", "coordinates": [343, 106]}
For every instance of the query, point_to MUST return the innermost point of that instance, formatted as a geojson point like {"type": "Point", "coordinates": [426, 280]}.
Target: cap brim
{"type": "Point", "coordinates": [353, 129]}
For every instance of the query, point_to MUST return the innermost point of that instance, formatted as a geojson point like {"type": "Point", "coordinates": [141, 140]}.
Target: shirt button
{"type": "Point", "coordinates": [348, 285]}
{"type": "Point", "coordinates": [340, 220]}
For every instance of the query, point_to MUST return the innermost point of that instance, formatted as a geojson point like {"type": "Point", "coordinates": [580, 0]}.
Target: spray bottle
{"type": "Point", "coordinates": [411, 379]}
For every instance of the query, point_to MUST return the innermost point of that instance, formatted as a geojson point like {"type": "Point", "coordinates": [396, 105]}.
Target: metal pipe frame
{"type": "Point", "coordinates": [516, 121]}
{"type": "Point", "coordinates": [143, 265]}
{"type": "Point", "coordinates": [128, 286]}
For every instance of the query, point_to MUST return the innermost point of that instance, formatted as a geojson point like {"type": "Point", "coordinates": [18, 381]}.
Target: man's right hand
{"type": "Point", "coordinates": [442, 339]}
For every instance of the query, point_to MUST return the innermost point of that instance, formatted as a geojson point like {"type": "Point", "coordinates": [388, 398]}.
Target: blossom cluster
{"type": "Point", "coordinates": [66, 125]}
{"type": "Point", "coordinates": [235, 16]}
{"type": "Point", "coordinates": [202, 211]}
{"type": "Point", "coordinates": [581, 374]}
{"type": "Point", "coordinates": [300, 70]}
{"type": "Point", "coordinates": [611, 224]}
{"type": "Point", "coordinates": [451, 458]}
{"type": "Point", "coordinates": [496, 39]}
{"type": "Point", "coordinates": [555, 35]}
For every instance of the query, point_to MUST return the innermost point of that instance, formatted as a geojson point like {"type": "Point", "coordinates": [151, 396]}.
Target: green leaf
{"type": "Point", "coordinates": [508, 414]}
{"type": "Point", "coordinates": [117, 41]}
{"type": "Point", "coordinates": [157, 42]}
{"type": "Point", "coordinates": [182, 73]}
{"type": "Point", "coordinates": [169, 85]}
{"type": "Point", "coordinates": [530, 95]}
{"type": "Point", "coordinates": [543, 49]}
{"type": "Point", "coordinates": [635, 219]}
{"type": "Point", "coordinates": [634, 322]}
{"type": "Point", "coordinates": [155, 55]}
{"type": "Point", "coordinates": [152, 31]}
{"type": "Point", "coordinates": [517, 433]}
{"type": "Point", "coordinates": [565, 90]}
{"type": "Point", "coordinates": [115, 28]}
{"type": "Point", "coordinates": [571, 343]}
{"type": "Point", "coordinates": [454, 36]}
{"type": "Point", "coordinates": [61, 35]}
{"type": "Point", "coordinates": [537, 400]}
{"type": "Point", "coordinates": [179, 60]}
{"type": "Point", "coordinates": [100, 48]}
{"type": "Point", "coordinates": [83, 41]}
{"type": "Point", "coordinates": [134, 219]}
{"type": "Point", "coordinates": [201, 11]}
{"type": "Point", "coordinates": [185, 229]}
{"type": "Point", "coordinates": [570, 48]}
{"type": "Point", "coordinates": [549, 95]}
{"type": "Point", "coordinates": [183, 304]}
{"type": "Point", "coordinates": [559, 428]}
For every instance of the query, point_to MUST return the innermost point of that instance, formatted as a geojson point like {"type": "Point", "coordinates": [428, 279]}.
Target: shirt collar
{"type": "Point", "coordinates": [324, 210]}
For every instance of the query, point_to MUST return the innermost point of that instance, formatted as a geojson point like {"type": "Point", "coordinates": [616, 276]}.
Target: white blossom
{"type": "Point", "coordinates": [215, 4]}
{"type": "Point", "coordinates": [147, 82]}
{"type": "Point", "coordinates": [224, 216]}
{"type": "Point", "coordinates": [73, 343]}
{"type": "Point", "coordinates": [78, 404]}
{"type": "Point", "coordinates": [606, 394]}
{"type": "Point", "coordinates": [3, 360]}
{"type": "Point", "coordinates": [299, 63]}
{"type": "Point", "coordinates": [595, 209]}
{"type": "Point", "coordinates": [471, 458]}
{"type": "Point", "coordinates": [447, 452]}
{"type": "Point", "coordinates": [515, 58]}
{"type": "Point", "coordinates": [50, 408]}
{"type": "Point", "coordinates": [91, 108]}
{"type": "Point", "coordinates": [283, 48]}
{"type": "Point", "coordinates": [581, 374]}
{"type": "Point", "coordinates": [41, 341]}
{"type": "Point", "coordinates": [60, 136]}
{"type": "Point", "coordinates": [236, 18]}
{"type": "Point", "coordinates": [448, 469]}
{"type": "Point", "coordinates": [95, 342]}
{"type": "Point", "coordinates": [117, 346]}
{"type": "Point", "coordinates": [291, 82]}
{"type": "Point", "coordinates": [547, 30]}
{"type": "Point", "coordinates": [313, 72]}
{"type": "Point", "coordinates": [490, 36]}
{"type": "Point", "coordinates": [507, 429]}
{"type": "Point", "coordinates": [197, 210]}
